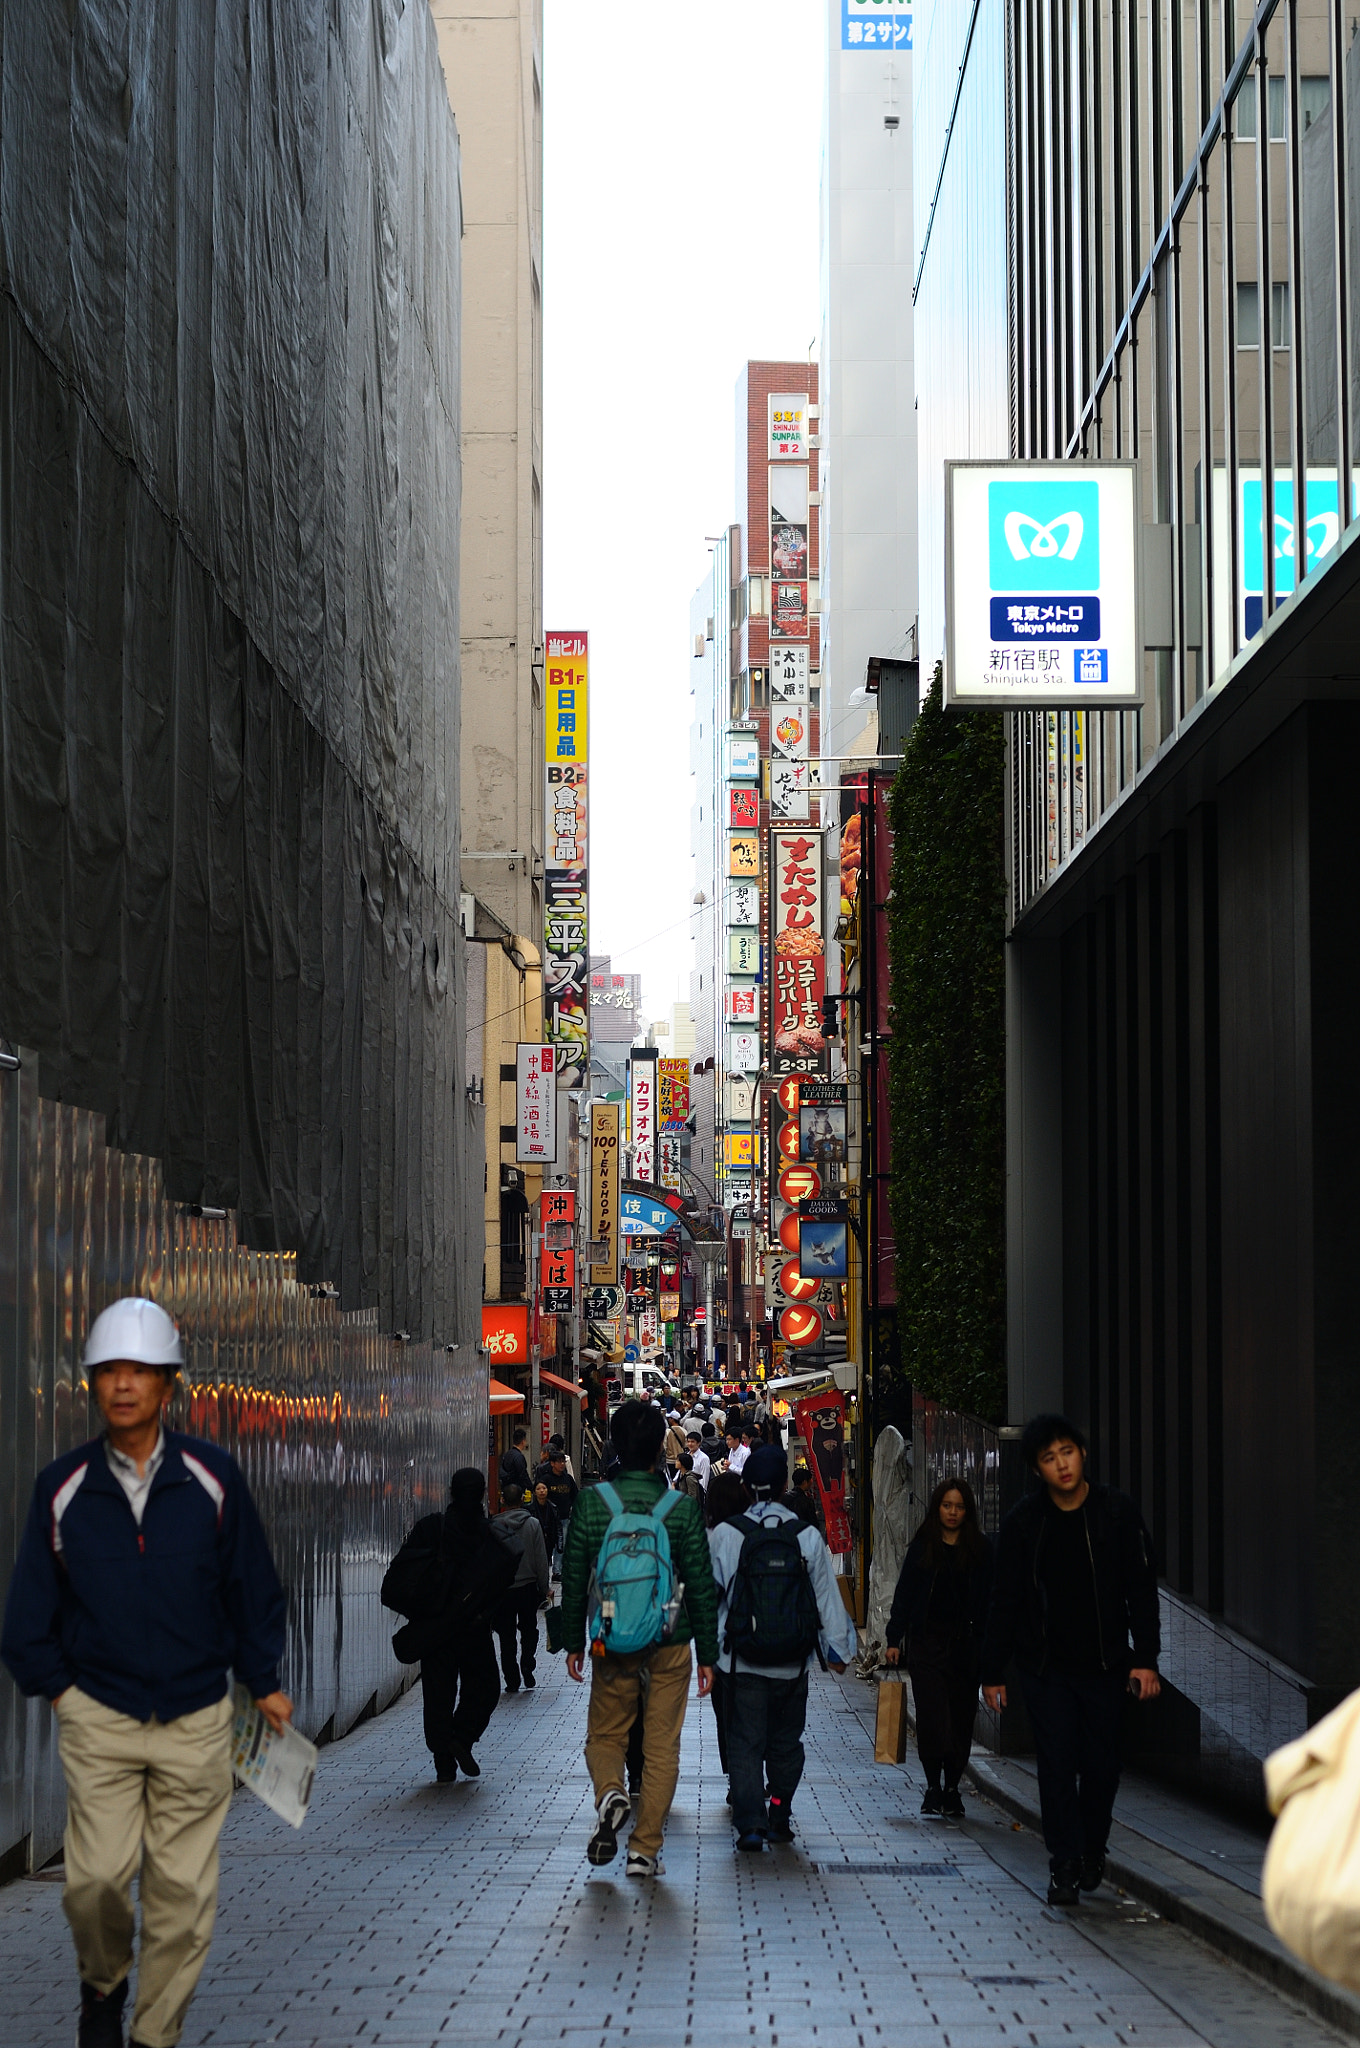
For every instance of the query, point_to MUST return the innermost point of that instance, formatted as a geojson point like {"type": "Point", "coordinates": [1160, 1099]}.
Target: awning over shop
{"type": "Point", "coordinates": [553, 1379]}
{"type": "Point", "coordinates": [504, 1400]}
{"type": "Point", "coordinates": [800, 1382]}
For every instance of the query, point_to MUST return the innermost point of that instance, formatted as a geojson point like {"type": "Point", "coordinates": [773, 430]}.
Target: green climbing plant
{"type": "Point", "coordinates": [947, 1056]}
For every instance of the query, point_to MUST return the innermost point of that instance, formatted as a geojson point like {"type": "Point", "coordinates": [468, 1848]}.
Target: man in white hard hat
{"type": "Point", "coordinates": [143, 1579]}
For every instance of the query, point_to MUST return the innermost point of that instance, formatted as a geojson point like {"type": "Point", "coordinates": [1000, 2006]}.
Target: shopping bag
{"type": "Point", "coordinates": [557, 1631]}
{"type": "Point", "coordinates": [890, 1722]}
{"type": "Point", "coordinates": [1311, 1879]}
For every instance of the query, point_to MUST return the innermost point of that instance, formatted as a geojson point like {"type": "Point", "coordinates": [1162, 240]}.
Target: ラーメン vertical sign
{"type": "Point", "coordinates": [566, 956]}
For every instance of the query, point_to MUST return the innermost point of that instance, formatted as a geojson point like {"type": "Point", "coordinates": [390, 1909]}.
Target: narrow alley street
{"type": "Point", "coordinates": [409, 1913]}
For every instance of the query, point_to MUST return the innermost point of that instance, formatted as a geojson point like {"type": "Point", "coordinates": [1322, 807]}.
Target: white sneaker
{"type": "Point", "coordinates": [644, 1866]}
{"type": "Point", "coordinates": [610, 1815]}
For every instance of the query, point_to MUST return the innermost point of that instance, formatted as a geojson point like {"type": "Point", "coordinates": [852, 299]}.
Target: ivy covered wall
{"type": "Point", "coordinates": [947, 1056]}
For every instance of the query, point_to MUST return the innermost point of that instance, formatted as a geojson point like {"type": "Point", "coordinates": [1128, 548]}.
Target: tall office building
{"type": "Point", "coordinates": [1183, 880]}
{"type": "Point", "coordinates": [755, 675]}
{"type": "Point", "coordinates": [867, 430]}
{"type": "Point", "coordinates": [493, 68]}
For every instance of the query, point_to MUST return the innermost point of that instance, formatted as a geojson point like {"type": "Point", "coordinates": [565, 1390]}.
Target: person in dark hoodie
{"type": "Point", "coordinates": [517, 1614]}
{"type": "Point", "coordinates": [459, 1567]}
{"type": "Point", "coordinates": [1074, 1605]}
{"type": "Point", "coordinates": [935, 1626]}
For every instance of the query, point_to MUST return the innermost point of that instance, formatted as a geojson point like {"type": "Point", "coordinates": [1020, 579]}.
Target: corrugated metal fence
{"type": "Point", "coordinates": [344, 1435]}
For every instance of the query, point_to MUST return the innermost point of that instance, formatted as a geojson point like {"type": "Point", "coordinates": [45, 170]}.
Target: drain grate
{"type": "Point", "coordinates": [885, 1869]}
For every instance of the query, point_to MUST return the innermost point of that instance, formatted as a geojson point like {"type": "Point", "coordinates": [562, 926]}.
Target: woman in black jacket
{"type": "Point", "coordinates": [936, 1624]}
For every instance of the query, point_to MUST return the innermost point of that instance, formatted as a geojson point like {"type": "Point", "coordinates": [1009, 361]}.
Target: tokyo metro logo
{"type": "Point", "coordinates": [1043, 536]}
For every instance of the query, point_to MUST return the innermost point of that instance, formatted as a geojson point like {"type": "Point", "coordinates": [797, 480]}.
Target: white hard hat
{"type": "Point", "coordinates": [135, 1329]}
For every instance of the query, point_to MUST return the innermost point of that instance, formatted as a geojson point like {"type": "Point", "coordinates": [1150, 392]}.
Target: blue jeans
{"type": "Point", "coordinates": [563, 1525]}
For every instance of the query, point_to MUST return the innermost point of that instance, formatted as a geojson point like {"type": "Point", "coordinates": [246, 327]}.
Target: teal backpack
{"type": "Point", "coordinates": [634, 1597]}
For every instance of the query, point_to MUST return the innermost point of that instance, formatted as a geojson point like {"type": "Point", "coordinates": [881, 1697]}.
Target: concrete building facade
{"type": "Point", "coordinates": [868, 420]}
{"type": "Point", "coordinates": [492, 52]}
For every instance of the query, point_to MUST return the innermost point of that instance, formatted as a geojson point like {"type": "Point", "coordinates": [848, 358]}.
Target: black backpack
{"type": "Point", "coordinates": [444, 1592]}
{"type": "Point", "coordinates": [772, 1609]}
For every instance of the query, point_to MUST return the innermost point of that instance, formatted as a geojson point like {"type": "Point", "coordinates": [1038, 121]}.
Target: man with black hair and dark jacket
{"type": "Point", "coordinates": [1074, 1604]}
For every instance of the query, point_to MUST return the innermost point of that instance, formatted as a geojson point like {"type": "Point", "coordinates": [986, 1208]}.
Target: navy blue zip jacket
{"type": "Point", "coordinates": [150, 1620]}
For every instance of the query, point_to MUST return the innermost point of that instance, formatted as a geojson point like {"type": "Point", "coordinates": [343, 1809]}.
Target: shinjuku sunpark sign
{"type": "Point", "coordinates": [1041, 584]}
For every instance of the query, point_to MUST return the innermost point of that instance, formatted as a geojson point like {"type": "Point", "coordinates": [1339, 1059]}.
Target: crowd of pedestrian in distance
{"type": "Point", "coordinates": [694, 1550]}
{"type": "Point", "coordinates": [144, 1587]}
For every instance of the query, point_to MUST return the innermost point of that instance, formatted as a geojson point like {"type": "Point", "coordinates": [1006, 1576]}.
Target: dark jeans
{"type": "Point", "coordinates": [518, 1611]}
{"type": "Point", "coordinates": [719, 1698]}
{"type": "Point", "coordinates": [765, 1719]}
{"type": "Point", "coordinates": [944, 1685]}
{"type": "Point", "coordinates": [1077, 1717]}
{"type": "Point", "coordinates": [460, 1690]}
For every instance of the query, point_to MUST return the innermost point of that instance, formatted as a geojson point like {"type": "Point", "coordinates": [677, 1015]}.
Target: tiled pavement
{"type": "Point", "coordinates": [415, 1914]}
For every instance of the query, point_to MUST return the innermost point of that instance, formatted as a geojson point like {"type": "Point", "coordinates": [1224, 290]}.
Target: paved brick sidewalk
{"type": "Point", "coordinates": [415, 1914]}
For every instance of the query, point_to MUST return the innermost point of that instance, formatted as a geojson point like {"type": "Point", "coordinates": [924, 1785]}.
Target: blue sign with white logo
{"type": "Point", "coordinates": [1091, 665]}
{"type": "Point", "coordinates": [875, 25]}
{"type": "Point", "coordinates": [1043, 537]}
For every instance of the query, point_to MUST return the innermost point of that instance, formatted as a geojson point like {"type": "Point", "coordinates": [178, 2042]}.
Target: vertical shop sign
{"type": "Point", "coordinates": [789, 675]}
{"type": "Point", "coordinates": [798, 950]}
{"type": "Point", "coordinates": [604, 1192]}
{"type": "Point", "coordinates": [789, 608]}
{"type": "Point", "coordinates": [789, 521]}
{"type": "Point", "coordinates": [673, 1094]}
{"type": "Point", "coordinates": [566, 992]}
{"type": "Point", "coordinates": [788, 426]}
{"type": "Point", "coordinates": [821, 1424]}
{"type": "Point", "coordinates": [642, 1111]}
{"type": "Point", "coordinates": [668, 1153]}
{"type": "Point", "coordinates": [535, 1104]}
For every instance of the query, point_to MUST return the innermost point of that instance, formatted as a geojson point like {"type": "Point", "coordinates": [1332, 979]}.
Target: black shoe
{"type": "Point", "coordinates": [753, 1843]}
{"type": "Point", "coordinates": [512, 1685]}
{"type": "Point", "coordinates": [780, 1828]}
{"type": "Point", "coordinates": [446, 1774]}
{"type": "Point", "coordinates": [933, 1802]}
{"type": "Point", "coordinates": [1062, 1884]}
{"type": "Point", "coordinates": [1092, 1873]}
{"type": "Point", "coordinates": [466, 1761]}
{"type": "Point", "coordinates": [951, 1805]}
{"type": "Point", "coordinates": [101, 2017]}
{"type": "Point", "coordinates": [530, 1682]}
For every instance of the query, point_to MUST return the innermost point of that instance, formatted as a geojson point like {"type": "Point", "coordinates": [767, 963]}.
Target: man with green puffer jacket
{"type": "Point", "coordinates": [617, 1682]}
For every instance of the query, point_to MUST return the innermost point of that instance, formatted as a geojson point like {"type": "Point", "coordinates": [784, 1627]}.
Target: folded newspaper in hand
{"type": "Point", "coordinates": [277, 1768]}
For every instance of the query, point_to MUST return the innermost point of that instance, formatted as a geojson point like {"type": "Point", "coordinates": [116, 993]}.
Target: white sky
{"type": "Point", "coordinates": [682, 155]}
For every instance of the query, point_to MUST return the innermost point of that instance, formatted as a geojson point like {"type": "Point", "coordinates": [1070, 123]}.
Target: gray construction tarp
{"type": "Point", "coordinates": [229, 690]}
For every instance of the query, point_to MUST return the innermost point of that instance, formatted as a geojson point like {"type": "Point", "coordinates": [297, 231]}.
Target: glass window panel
{"type": "Point", "coordinates": [1315, 96]}
{"type": "Point", "coordinates": [1244, 110]}
{"type": "Point", "coordinates": [1279, 315]}
{"type": "Point", "coordinates": [1248, 317]}
{"type": "Point", "coordinates": [1189, 510]}
{"type": "Point", "coordinates": [1275, 111]}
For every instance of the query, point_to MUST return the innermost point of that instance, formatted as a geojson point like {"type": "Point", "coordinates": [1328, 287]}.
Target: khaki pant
{"type": "Point", "coordinates": [148, 1796]}
{"type": "Point", "coordinates": [615, 1687]}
